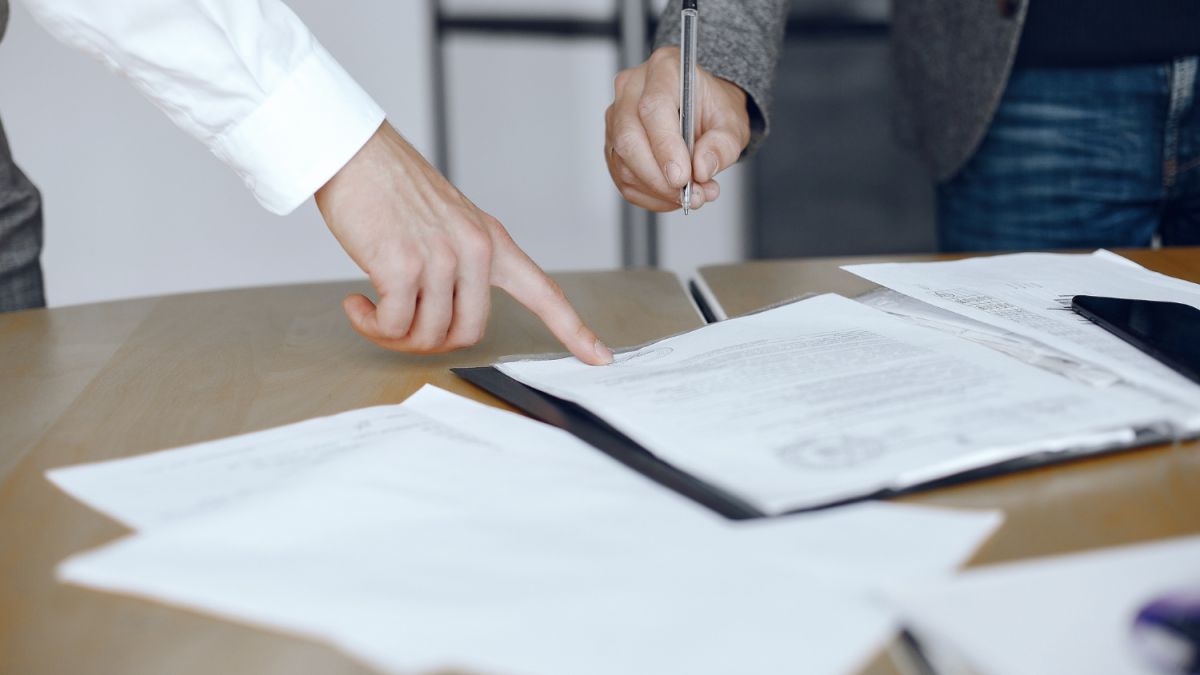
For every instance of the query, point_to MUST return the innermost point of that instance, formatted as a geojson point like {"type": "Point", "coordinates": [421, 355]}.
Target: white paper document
{"type": "Point", "coordinates": [1069, 614]}
{"type": "Point", "coordinates": [1030, 294]}
{"type": "Point", "coordinates": [1024, 349]}
{"type": "Point", "coordinates": [826, 399]}
{"type": "Point", "coordinates": [473, 538]}
{"type": "Point", "coordinates": [157, 488]}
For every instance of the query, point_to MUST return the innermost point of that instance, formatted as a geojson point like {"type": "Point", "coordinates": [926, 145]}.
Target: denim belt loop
{"type": "Point", "coordinates": [1182, 83]}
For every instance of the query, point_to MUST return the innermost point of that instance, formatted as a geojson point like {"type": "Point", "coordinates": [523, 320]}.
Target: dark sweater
{"type": "Point", "coordinates": [1081, 33]}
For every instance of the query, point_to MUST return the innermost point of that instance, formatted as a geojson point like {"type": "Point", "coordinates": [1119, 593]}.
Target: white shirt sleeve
{"type": "Point", "coordinates": [245, 77]}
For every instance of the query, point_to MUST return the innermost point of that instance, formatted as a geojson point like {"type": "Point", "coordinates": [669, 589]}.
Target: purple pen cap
{"type": "Point", "coordinates": [1167, 633]}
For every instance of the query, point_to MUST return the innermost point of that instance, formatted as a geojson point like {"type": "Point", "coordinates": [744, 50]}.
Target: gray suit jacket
{"type": "Point", "coordinates": [20, 228]}
{"type": "Point", "coordinates": [951, 59]}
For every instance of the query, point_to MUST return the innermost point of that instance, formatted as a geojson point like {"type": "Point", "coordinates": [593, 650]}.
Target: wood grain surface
{"type": "Point", "coordinates": [95, 382]}
{"type": "Point", "coordinates": [115, 379]}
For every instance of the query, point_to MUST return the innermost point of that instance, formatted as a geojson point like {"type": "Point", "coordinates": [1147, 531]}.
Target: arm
{"type": "Point", "coordinates": [738, 53]}
{"type": "Point", "coordinates": [740, 42]}
{"type": "Point", "coordinates": [247, 78]}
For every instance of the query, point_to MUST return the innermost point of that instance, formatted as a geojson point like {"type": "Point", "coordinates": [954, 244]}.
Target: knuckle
{"type": "Point", "coordinates": [475, 245]}
{"type": "Point", "coordinates": [492, 222]}
{"type": "Point", "coordinates": [465, 337]}
{"type": "Point", "coordinates": [718, 140]}
{"type": "Point", "coordinates": [719, 135]}
{"type": "Point", "coordinates": [359, 323]}
{"type": "Point", "coordinates": [393, 327]}
{"type": "Point", "coordinates": [453, 344]}
{"type": "Point", "coordinates": [442, 261]}
{"type": "Point", "coordinates": [416, 348]}
{"type": "Point", "coordinates": [622, 79]}
{"type": "Point", "coordinates": [665, 145]}
{"type": "Point", "coordinates": [664, 55]}
{"type": "Point", "coordinates": [424, 343]}
{"type": "Point", "coordinates": [626, 142]}
{"type": "Point", "coordinates": [732, 145]}
{"type": "Point", "coordinates": [409, 265]}
{"type": "Point", "coordinates": [500, 239]}
{"type": "Point", "coordinates": [408, 278]}
{"type": "Point", "coordinates": [402, 278]}
{"type": "Point", "coordinates": [652, 104]}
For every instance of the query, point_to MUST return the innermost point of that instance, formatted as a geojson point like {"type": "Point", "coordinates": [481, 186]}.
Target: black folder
{"type": "Point", "coordinates": [603, 436]}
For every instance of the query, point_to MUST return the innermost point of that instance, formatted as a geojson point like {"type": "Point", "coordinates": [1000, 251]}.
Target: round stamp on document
{"type": "Point", "coordinates": [831, 452]}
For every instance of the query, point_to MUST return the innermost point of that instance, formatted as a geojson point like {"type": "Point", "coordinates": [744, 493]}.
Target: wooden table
{"type": "Point", "coordinates": [1141, 495]}
{"type": "Point", "coordinates": [100, 381]}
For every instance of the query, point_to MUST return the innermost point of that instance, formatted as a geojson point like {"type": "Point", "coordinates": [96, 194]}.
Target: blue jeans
{"type": "Point", "coordinates": [1082, 158]}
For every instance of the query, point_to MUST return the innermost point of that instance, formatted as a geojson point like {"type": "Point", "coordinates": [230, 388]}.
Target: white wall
{"type": "Point", "coordinates": [134, 207]}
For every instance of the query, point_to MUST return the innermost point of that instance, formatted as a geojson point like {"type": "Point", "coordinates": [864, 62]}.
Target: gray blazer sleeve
{"type": "Point", "coordinates": [739, 41]}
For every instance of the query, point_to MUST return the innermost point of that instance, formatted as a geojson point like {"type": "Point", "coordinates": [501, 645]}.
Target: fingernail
{"type": "Point", "coordinates": [602, 352]}
{"type": "Point", "coordinates": [674, 173]}
{"type": "Point", "coordinates": [696, 196]}
{"type": "Point", "coordinates": [710, 166]}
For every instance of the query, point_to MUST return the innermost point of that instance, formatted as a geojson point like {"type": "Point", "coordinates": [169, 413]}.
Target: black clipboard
{"type": "Point", "coordinates": [601, 435]}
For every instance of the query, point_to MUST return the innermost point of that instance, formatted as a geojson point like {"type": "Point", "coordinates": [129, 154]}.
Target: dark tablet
{"type": "Point", "coordinates": [1168, 331]}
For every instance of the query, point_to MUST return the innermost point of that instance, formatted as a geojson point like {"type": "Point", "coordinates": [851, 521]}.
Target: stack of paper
{"type": "Point", "coordinates": [826, 400]}
{"type": "Point", "coordinates": [1019, 347]}
{"type": "Point", "coordinates": [443, 534]}
{"type": "Point", "coordinates": [1029, 294]}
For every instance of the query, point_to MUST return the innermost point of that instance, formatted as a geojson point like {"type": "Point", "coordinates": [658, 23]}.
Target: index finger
{"type": "Point", "coordinates": [521, 278]}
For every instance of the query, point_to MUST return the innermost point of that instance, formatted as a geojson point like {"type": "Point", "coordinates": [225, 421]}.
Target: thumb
{"type": "Point", "coordinates": [715, 151]}
{"type": "Point", "coordinates": [724, 129]}
{"type": "Point", "coordinates": [521, 278]}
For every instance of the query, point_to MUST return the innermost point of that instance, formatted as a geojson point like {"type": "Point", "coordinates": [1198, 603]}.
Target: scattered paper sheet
{"type": "Point", "coordinates": [157, 488]}
{"type": "Point", "coordinates": [1069, 614]}
{"type": "Point", "coordinates": [826, 399]}
{"type": "Point", "coordinates": [1019, 347]}
{"type": "Point", "coordinates": [1030, 294]}
{"type": "Point", "coordinates": [511, 547]}
{"type": "Point", "coordinates": [580, 592]}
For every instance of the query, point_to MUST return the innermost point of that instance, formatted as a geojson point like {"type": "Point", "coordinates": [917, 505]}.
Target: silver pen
{"type": "Point", "coordinates": [689, 24]}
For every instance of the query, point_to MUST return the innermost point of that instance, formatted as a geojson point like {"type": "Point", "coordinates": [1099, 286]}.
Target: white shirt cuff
{"type": "Point", "coordinates": [302, 134]}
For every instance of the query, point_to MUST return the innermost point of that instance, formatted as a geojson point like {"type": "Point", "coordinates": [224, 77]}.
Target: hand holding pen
{"type": "Point", "coordinates": [647, 157]}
